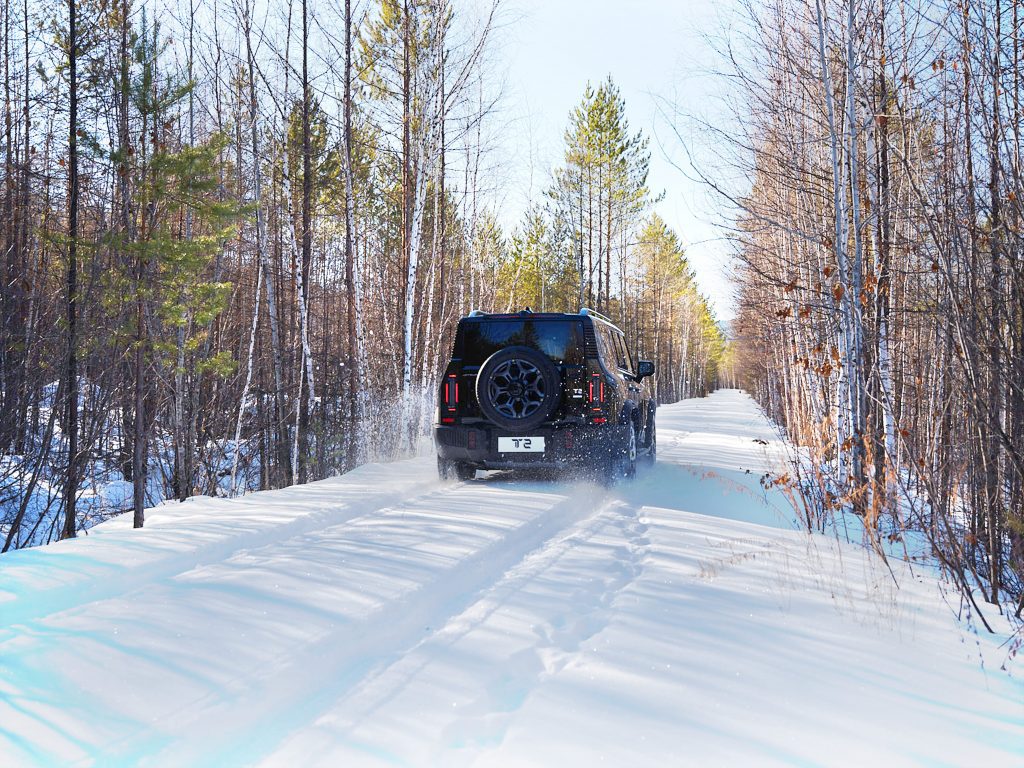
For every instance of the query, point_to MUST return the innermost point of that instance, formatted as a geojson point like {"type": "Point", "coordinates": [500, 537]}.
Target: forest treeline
{"type": "Point", "coordinates": [237, 237]}
{"type": "Point", "coordinates": [881, 314]}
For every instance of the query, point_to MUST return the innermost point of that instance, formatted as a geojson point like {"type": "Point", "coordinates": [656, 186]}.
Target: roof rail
{"type": "Point", "coordinates": [477, 313]}
{"type": "Point", "coordinates": [598, 315]}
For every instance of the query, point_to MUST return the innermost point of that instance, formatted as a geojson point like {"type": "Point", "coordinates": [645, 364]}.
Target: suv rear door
{"type": "Point", "coordinates": [560, 338]}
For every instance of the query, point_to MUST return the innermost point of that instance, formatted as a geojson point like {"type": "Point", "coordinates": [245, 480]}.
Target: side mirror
{"type": "Point", "coordinates": [644, 368]}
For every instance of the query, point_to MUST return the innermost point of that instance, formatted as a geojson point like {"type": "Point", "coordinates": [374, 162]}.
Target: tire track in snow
{"type": "Point", "coordinates": [582, 613]}
{"type": "Point", "coordinates": [416, 554]}
{"type": "Point", "coordinates": [529, 647]}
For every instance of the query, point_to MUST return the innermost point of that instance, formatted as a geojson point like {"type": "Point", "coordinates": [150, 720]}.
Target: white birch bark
{"type": "Point", "coordinates": [429, 358]}
{"type": "Point", "coordinates": [248, 380]}
{"type": "Point", "coordinates": [295, 435]}
{"type": "Point", "coordinates": [839, 203]}
{"type": "Point", "coordinates": [855, 333]}
{"type": "Point", "coordinates": [422, 172]}
{"type": "Point", "coordinates": [261, 224]}
{"type": "Point", "coordinates": [357, 295]}
{"type": "Point", "coordinates": [307, 357]}
{"type": "Point", "coordinates": [430, 375]}
{"type": "Point", "coordinates": [884, 361]}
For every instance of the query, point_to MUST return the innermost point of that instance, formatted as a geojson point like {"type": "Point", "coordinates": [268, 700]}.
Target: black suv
{"type": "Point", "coordinates": [543, 390]}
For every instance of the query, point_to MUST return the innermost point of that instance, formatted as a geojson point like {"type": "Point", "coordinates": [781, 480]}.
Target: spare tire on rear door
{"type": "Point", "coordinates": [518, 388]}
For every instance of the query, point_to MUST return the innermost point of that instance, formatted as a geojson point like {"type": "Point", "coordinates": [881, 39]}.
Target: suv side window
{"type": "Point", "coordinates": [622, 357]}
{"type": "Point", "coordinates": [606, 342]}
{"type": "Point", "coordinates": [613, 348]}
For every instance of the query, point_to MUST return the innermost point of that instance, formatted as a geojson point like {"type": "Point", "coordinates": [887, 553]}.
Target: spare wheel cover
{"type": "Point", "coordinates": [518, 388]}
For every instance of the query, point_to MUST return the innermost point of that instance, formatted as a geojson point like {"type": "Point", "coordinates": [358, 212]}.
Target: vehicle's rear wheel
{"type": "Point", "coordinates": [622, 459]}
{"type": "Point", "coordinates": [449, 470]}
{"type": "Point", "coordinates": [629, 459]}
{"type": "Point", "coordinates": [518, 388]}
{"type": "Point", "coordinates": [651, 453]}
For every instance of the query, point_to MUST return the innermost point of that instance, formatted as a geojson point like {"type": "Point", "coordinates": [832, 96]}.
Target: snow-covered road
{"type": "Point", "coordinates": [384, 619]}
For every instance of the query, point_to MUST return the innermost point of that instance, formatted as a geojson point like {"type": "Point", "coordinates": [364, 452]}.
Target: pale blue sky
{"type": "Point", "coordinates": [653, 49]}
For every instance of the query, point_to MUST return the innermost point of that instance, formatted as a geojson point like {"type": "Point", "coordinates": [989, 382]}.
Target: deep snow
{"type": "Point", "coordinates": [382, 618]}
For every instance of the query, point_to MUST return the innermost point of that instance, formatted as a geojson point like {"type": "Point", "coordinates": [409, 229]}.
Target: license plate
{"type": "Point", "coordinates": [520, 445]}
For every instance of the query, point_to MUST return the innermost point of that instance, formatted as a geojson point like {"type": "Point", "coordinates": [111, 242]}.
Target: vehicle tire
{"type": "Point", "coordinates": [445, 469]}
{"type": "Point", "coordinates": [621, 463]}
{"type": "Point", "coordinates": [449, 470]}
{"type": "Point", "coordinates": [629, 457]}
{"type": "Point", "coordinates": [518, 388]}
{"type": "Point", "coordinates": [651, 453]}
{"type": "Point", "coordinates": [464, 471]}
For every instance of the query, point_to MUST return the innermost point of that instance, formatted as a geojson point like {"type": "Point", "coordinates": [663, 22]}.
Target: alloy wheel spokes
{"type": "Point", "coordinates": [516, 389]}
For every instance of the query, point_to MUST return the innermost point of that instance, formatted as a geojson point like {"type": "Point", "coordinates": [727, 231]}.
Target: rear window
{"type": "Point", "coordinates": [561, 340]}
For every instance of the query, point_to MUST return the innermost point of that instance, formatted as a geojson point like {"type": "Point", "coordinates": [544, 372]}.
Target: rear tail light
{"type": "Point", "coordinates": [451, 393]}
{"type": "Point", "coordinates": [596, 392]}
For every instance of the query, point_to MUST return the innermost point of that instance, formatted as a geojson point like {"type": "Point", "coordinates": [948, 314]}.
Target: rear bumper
{"type": "Point", "coordinates": [571, 445]}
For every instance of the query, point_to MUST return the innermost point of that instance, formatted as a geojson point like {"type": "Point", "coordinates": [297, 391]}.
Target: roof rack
{"type": "Point", "coordinates": [481, 313]}
{"type": "Point", "coordinates": [598, 315]}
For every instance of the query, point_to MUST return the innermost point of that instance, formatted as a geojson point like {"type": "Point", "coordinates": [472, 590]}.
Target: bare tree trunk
{"type": "Point", "coordinates": [994, 396]}
{"type": "Point", "coordinates": [71, 372]}
{"type": "Point", "coordinates": [305, 405]}
{"type": "Point", "coordinates": [406, 256]}
{"type": "Point", "coordinates": [248, 379]}
{"type": "Point", "coordinates": [281, 442]}
{"type": "Point", "coordinates": [182, 445]}
{"type": "Point", "coordinates": [139, 473]}
{"type": "Point", "coordinates": [353, 276]}
{"type": "Point", "coordinates": [421, 173]}
{"type": "Point", "coordinates": [855, 349]}
{"type": "Point", "coordinates": [839, 213]}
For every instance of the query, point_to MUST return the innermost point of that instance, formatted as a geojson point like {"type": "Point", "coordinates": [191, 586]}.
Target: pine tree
{"type": "Point", "coordinates": [676, 326]}
{"type": "Point", "coordinates": [165, 277]}
{"type": "Point", "coordinates": [601, 191]}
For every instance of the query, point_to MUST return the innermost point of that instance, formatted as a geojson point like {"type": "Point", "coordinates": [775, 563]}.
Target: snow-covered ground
{"type": "Point", "coordinates": [382, 618]}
